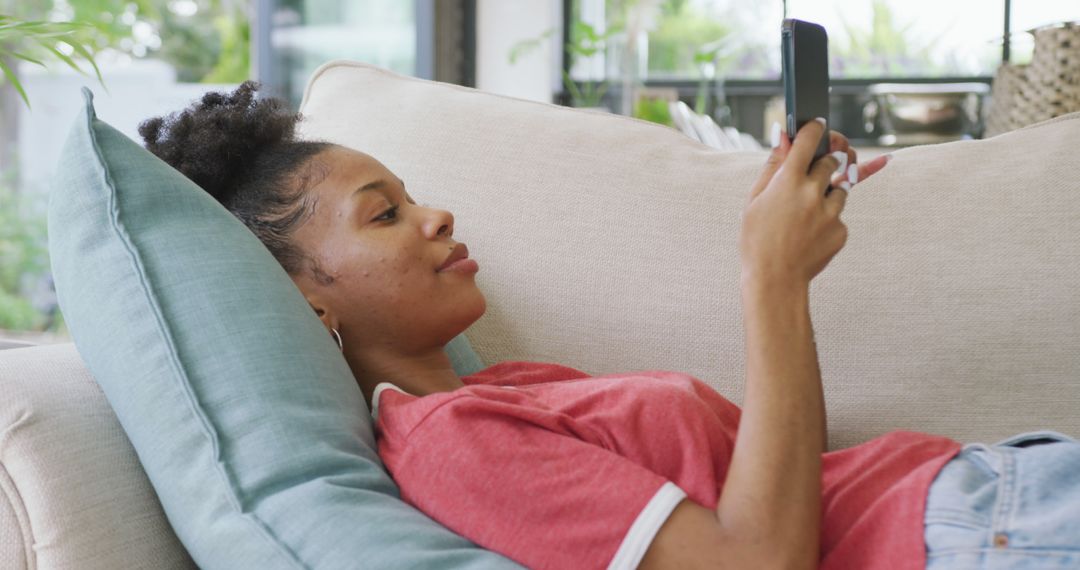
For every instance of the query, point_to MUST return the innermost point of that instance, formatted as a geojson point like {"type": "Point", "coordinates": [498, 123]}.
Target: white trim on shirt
{"type": "Point", "coordinates": [645, 527]}
{"type": "Point", "coordinates": [375, 397]}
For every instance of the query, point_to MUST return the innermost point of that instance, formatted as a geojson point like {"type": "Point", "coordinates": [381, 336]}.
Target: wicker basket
{"type": "Point", "coordinates": [1049, 86]}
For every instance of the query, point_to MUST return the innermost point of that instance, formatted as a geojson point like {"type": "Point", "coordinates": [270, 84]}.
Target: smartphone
{"type": "Point", "coordinates": [805, 54]}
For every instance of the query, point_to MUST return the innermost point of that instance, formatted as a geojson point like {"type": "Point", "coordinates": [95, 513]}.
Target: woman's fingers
{"type": "Point", "coordinates": [835, 200]}
{"type": "Point", "coordinates": [870, 168]}
{"type": "Point", "coordinates": [822, 171]}
{"type": "Point", "coordinates": [800, 153]}
{"type": "Point", "coordinates": [837, 142]}
{"type": "Point", "coordinates": [848, 171]}
{"type": "Point", "coordinates": [806, 142]}
{"type": "Point", "coordinates": [776, 159]}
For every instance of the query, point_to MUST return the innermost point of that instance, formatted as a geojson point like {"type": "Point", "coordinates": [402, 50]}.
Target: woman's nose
{"type": "Point", "coordinates": [440, 223]}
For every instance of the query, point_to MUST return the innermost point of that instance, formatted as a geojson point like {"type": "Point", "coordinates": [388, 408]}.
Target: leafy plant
{"type": "Point", "coordinates": [203, 40]}
{"type": "Point", "coordinates": [23, 251]}
{"type": "Point", "coordinates": [584, 41]}
{"type": "Point", "coordinates": [234, 59]}
{"type": "Point", "coordinates": [525, 46]}
{"type": "Point", "coordinates": [885, 49]}
{"type": "Point", "coordinates": [36, 40]}
{"type": "Point", "coordinates": [685, 38]}
{"type": "Point", "coordinates": [23, 257]}
{"type": "Point", "coordinates": [654, 109]}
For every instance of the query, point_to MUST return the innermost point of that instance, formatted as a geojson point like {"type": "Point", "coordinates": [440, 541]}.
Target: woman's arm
{"type": "Point", "coordinates": [770, 509]}
{"type": "Point", "coordinates": [791, 230]}
{"type": "Point", "coordinates": [772, 495]}
{"type": "Point", "coordinates": [769, 513]}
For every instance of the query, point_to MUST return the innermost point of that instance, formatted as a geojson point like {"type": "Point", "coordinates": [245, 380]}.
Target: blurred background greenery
{"type": "Point", "coordinates": [203, 40]}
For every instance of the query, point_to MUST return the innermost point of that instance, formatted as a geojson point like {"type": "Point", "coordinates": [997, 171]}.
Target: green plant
{"type": "Point", "coordinates": [36, 40]}
{"type": "Point", "coordinates": [210, 44]}
{"type": "Point", "coordinates": [23, 257]}
{"type": "Point", "coordinates": [885, 49]}
{"type": "Point", "coordinates": [583, 41]}
{"type": "Point", "coordinates": [685, 37]}
{"type": "Point", "coordinates": [705, 58]}
{"type": "Point", "coordinates": [203, 40]}
{"type": "Point", "coordinates": [234, 62]}
{"type": "Point", "coordinates": [653, 109]}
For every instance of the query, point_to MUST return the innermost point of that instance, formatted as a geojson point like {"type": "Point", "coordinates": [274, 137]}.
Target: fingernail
{"type": "Point", "coordinates": [888, 157]}
{"type": "Point", "coordinates": [842, 157]}
{"type": "Point", "coordinates": [822, 121]}
{"type": "Point", "coordinates": [845, 185]}
{"type": "Point", "coordinates": [853, 174]}
{"type": "Point", "coordinates": [774, 134]}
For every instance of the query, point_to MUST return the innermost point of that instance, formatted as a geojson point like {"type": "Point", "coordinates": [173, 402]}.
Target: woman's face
{"type": "Point", "coordinates": [378, 255]}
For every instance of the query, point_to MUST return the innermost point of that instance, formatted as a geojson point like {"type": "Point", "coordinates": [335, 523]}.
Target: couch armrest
{"type": "Point", "coordinates": [73, 494]}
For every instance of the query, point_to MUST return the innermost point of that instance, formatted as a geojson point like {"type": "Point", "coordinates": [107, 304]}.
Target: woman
{"type": "Point", "coordinates": [556, 469]}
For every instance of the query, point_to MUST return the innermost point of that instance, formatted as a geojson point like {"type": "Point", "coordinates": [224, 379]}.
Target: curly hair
{"type": "Point", "coordinates": [243, 152]}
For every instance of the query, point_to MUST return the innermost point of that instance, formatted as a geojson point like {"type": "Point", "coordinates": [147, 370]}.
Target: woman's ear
{"type": "Point", "coordinates": [317, 303]}
{"type": "Point", "coordinates": [329, 320]}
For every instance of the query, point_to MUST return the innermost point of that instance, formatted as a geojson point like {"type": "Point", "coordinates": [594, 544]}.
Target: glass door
{"type": "Point", "coordinates": [294, 37]}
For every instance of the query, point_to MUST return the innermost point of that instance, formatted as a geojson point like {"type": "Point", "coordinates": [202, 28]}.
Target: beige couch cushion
{"type": "Point", "coordinates": [610, 244]}
{"type": "Point", "coordinates": [72, 492]}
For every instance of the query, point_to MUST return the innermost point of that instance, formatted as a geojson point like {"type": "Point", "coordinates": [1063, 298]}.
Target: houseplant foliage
{"type": "Point", "coordinates": [23, 254]}
{"type": "Point", "coordinates": [583, 41]}
{"type": "Point", "coordinates": [203, 40]}
{"type": "Point", "coordinates": [38, 41]}
{"type": "Point", "coordinates": [23, 259]}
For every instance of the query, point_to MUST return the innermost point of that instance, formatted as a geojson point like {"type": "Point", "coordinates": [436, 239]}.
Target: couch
{"type": "Point", "coordinates": [609, 244]}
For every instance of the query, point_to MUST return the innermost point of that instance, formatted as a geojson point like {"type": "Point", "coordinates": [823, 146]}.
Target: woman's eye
{"type": "Point", "coordinates": [390, 214]}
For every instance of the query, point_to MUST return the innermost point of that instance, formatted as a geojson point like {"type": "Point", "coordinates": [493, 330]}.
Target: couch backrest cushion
{"type": "Point", "coordinates": [241, 408]}
{"type": "Point", "coordinates": [610, 244]}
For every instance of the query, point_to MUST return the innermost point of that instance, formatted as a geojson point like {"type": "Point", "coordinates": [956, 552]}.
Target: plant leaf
{"type": "Point", "coordinates": [81, 50]}
{"type": "Point", "coordinates": [525, 46]}
{"type": "Point", "coordinates": [14, 82]}
{"type": "Point", "coordinates": [25, 58]}
{"type": "Point", "coordinates": [60, 55]}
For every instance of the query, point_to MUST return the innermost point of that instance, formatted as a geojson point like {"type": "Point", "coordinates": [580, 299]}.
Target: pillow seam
{"type": "Point", "coordinates": [208, 428]}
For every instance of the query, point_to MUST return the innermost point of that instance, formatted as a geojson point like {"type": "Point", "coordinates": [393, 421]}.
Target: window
{"type": "Point", "coordinates": [908, 38]}
{"type": "Point", "coordinates": [1030, 14]}
{"type": "Point", "coordinates": [303, 34]}
{"type": "Point", "coordinates": [868, 39]}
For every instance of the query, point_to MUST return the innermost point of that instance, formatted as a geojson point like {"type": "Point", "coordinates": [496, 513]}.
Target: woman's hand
{"type": "Point", "coordinates": [791, 229]}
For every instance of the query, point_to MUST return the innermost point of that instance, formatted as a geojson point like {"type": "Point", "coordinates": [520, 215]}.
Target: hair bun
{"type": "Point", "coordinates": [217, 139]}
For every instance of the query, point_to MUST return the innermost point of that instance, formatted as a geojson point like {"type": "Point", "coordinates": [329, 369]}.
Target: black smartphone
{"type": "Point", "coordinates": [805, 54]}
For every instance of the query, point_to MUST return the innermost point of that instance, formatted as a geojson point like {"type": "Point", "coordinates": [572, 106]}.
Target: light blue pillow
{"type": "Point", "coordinates": [241, 408]}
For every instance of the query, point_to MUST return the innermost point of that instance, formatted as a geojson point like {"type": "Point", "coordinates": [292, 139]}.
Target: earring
{"type": "Point", "coordinates": [337, 337]}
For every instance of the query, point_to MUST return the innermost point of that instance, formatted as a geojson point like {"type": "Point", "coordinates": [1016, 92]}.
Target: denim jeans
{"type": "Point", "coordinates": [1014, 504]}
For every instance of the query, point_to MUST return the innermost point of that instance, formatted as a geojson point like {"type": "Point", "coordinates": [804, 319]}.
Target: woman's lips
{"type": "Point", "coordinates": [458, 260]}
{"type": "Point", "coordinates": [458, 252]}
{"type": "Point", "coordinates": [462, 266]}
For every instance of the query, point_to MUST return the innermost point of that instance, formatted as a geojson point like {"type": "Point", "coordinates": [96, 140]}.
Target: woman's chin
{"type": "Point", "coordinates": [477, 308]}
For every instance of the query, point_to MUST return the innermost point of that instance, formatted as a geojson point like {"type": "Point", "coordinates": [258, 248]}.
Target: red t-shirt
{"type": "Point", "coordinates": [556, 469]}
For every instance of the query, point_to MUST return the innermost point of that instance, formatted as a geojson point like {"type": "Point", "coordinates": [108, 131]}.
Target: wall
{"type": "Point", "coordinates": [137, 90]}
{"type": "Point", "coordinates": [501, 24]}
